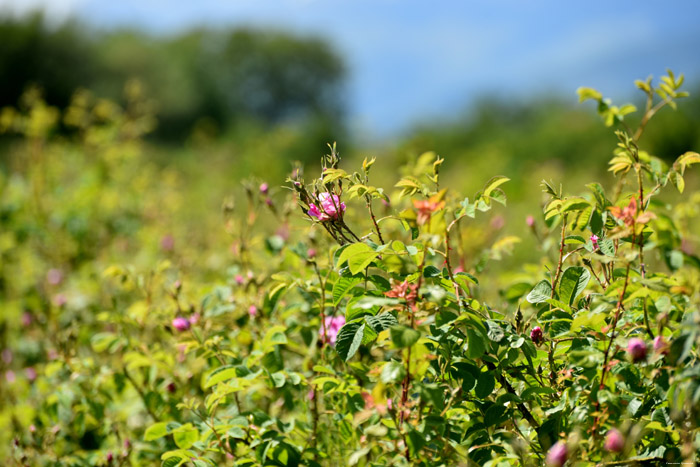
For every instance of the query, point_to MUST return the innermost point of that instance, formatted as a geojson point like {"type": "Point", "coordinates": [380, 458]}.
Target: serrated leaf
{"type": "Point", "coordinates": [342, 286]}
{"type": "Point", "coordinates": [381, 321]}
{"type": "Point", "coordinates": [495, 332]}
{"type": "Point", "coordinates": [540, 293]}
{"type": "Point", "coordinates": [349, 339]}
{"type": "Point", "coordinates": [222, 373]}
{"type": "Point", "coordinates": [358, 256]}
{"type": "Point", "coordinates": [573, 282]}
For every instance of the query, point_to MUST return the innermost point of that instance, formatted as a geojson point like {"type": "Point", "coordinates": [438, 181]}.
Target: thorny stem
{"type": "Point", "coordinates": [322, 308]}
{"type": "Point", "coordinates": [641, 207]}
{"type": "Point", "coordinates": [374, 220]}
{"type": "Point", "coordinates": [141, 394]}
{"type": "Point", "coordinates": [210, 424]}
{"type": "Point", "coordinates": [506, 385]}
{"type": "Point", "coordinates": [617, 317]}
{"type": "Point", "coordinates": [407, 379]}
{"type": "Point", "coordinates": [555, 279]}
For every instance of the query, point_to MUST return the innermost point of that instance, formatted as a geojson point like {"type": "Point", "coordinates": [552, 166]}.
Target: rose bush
{"type": "Point", "coordinates": [352, 325]}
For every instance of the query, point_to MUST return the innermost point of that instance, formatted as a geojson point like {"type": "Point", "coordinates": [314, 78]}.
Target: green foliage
{"type": "Point", "coordinates": [365, 329]}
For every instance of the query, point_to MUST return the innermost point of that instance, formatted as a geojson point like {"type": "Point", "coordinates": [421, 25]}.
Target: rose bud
{"type": "Point", "coordinates": [264, 188]}
{"type": "Point", "coordinates": [556, 457]}
{"type": "Point", "coordinates": [171, 387]}
{"type": "Point", "coordinates": [252, 311]}
{"type": "Point", "coordinates": [614, 441]}
{"type": "Point", "coordinates": [530, 221]}
{"type": "Point", "coordinates": [181, 324]}
{"type": "Point", "coordinates": [660, 345]}
{"type": "Point", "coordinates": [311, 253]}
{"type": "Point", "coordinates": [54, 276]}
{"type": "Point", "coordinates": [637, 349]}
{"type": "Point", "coordinates": [536, 335]}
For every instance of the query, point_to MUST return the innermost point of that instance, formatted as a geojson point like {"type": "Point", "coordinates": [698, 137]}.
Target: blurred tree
{"type": "Point", "coordinates": [222, 76]}
{"type": "Point", "coordinates": [58, 60]}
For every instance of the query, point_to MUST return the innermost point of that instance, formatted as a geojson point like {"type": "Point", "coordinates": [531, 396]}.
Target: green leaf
{"type": "Point", "coordinates": [381, 322]}
{"type": "Point", "coordinates": [485, 385]}
{"type": "Point", "coordinates": [607, 247]}
{"type": "Point", "coordinates": [349, 339]}
{"type": "Point", "coordinates": [599, 193]}
{"type": "Point", "coordinates": [540, 293]}
{"type": "Point", "coordinates": [495, 332]}
{"type": "Point", "coordinates": [475, 344]}
{"type": "Point", "coordinates": [494, 183]}
{"type": "Point", "coordinates": [588, 93]}
{"type": "Point", "coordinates": [677, 180]}
{"type": "Point", "coordinates": [220, 374]}
{"type": "Point", "coordinates": [102, 341]}
{"type": "Point", "coordinates": [342, 286]}
{"type": "Point", "coordinates": [160, 429]}
{"type": "Point", "coordinates": [358, 256]}
{"type": "Point", "coordinates": [573, 282]}
{"type": "Point", "coordinates": [392, 372]}
{"type": "Point", "coordinates": [186, 436]}
{"type": "Point", "coordinates": [494, 415]}
{"type": "Point", "coordinates": [403, 336]}
{"type": "Point", "coordinates": [574, 204]}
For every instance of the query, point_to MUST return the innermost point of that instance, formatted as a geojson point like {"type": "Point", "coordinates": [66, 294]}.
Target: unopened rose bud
{"type": "Point", "coordinates": [54, 276]}
{"type": "Point", "coordinates": [264, 188]}
{"type": "Point", "coordinates": [557, 455]}
{"type": "Point", "coordinates": [171, 387]}
{"type": "Point", "coordinates": [311, 253]}
{"type": "Point", "coordinates": [660, 345]}
{"type": "Point", "coordinates": [26, 319]}
{"type": "Point", "coordinates": [181, 324]}
{"type": "Point", "coordinates": [614, 441]}
{"type": "Point", "coordinates": [167, 243]}
{"type": "Point", "coordinates": [637, 349]}
{"type": "Point", "coordinates": [30, 373]}
{"type": "Point", "coordinates": [252, 311]}
{"type": "Point", "coordinates": [239, 279]}
{"type": "Point", "coordinates": [268, 201]}
{"type": "Point", "coordinates": [536, 335]}
{"type": "Point", "coordinates": [530, 221]}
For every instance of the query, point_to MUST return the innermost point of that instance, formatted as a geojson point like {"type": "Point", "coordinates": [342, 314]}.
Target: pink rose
{"type": "Point", "coordinates": [332, 328]}
{"type": "Point", "coordinates": [331, 207]}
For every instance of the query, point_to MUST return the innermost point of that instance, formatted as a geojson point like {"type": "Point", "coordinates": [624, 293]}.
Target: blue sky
{"type": "Point", "coordinates": [413, 60]}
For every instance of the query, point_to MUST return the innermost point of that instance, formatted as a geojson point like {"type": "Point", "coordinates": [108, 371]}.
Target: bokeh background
{"type": "Point", "coordinates": [241, 89]}
{"type": "Point", "coordinates": [134, 136]}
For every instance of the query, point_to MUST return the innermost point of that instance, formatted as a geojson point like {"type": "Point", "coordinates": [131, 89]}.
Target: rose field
{"type": "Point", "coordinates": [207, 259]}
